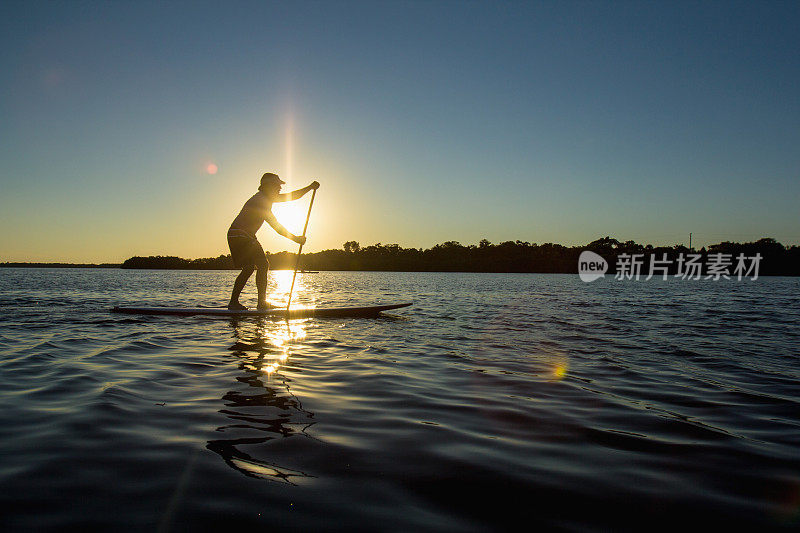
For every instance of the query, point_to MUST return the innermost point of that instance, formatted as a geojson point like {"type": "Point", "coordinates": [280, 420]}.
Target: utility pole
{"type": "Point", "coordinates": [690, 241]}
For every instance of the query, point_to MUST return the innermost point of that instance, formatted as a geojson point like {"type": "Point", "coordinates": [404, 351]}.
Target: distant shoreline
{"type": "Point", "coordinates": [60, 265]}
{"type": "Point", "coordinates": [775, 259]}
{"type": "Point", "coordinates": [119, 267]}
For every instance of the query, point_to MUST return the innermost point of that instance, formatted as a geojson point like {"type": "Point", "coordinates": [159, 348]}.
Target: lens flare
{"type": "Point", "coordinates": [559, 370]}
{"type": "Point", "coordinates": [289, 147]}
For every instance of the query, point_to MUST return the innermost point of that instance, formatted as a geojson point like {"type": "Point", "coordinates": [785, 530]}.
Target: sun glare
{"type": "Point", "coordinates": [292, 215]}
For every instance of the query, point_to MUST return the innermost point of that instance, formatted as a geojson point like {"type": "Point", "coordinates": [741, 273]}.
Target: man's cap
{"type": "Point", "coordinates": [269, 177]}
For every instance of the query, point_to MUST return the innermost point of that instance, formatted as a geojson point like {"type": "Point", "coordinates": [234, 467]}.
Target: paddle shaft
{"type": "Point", "coordinates": [300, 251]}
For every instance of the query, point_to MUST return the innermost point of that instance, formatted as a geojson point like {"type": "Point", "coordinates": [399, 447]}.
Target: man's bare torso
{"type": "Point", "coordinates": [253, 213]}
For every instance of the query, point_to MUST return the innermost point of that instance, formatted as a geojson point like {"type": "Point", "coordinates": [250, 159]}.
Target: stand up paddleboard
{"type": "Point", "coordinates": [318, 312]}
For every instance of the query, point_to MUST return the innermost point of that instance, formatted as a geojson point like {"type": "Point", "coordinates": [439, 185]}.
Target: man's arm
{"type": "Point", "coordinates": [294, 195]}
{"type": "Point", "coordinates": [277, 226]}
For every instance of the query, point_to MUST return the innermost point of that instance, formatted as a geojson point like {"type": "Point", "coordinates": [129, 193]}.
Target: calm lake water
{"type": "Point", "coordinates": [495, 399]}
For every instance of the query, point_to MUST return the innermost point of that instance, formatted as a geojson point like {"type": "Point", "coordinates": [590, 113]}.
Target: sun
{"type": "Point", "coordinates": [291, 214]}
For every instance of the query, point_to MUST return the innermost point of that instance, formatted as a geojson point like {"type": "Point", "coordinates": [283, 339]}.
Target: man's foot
{"type": "Point", "coordinates": [265, 306]}
{"type": "Point", "coordinates": [236, 306]}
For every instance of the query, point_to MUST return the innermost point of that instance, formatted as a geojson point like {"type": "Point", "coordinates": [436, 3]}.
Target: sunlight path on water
{"type": "Point", "coordinates": [278, 290]}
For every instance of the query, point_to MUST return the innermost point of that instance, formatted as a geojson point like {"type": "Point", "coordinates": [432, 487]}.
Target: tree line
{"type": "Point", "coordinates": [509, 256]}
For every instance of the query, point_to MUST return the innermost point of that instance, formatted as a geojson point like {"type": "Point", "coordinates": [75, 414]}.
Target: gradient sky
{"type": "Point", "coordinates": [424, 122]}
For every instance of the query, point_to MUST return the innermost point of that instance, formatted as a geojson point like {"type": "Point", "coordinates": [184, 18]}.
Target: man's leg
{"type": "Point", "coordinates": [262, 266]}
{"type": "Point", "coordinates": [238, 285]}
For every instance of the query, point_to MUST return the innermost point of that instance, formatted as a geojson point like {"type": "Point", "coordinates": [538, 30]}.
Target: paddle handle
{"type": "Point", "coordinates": [300, 251]}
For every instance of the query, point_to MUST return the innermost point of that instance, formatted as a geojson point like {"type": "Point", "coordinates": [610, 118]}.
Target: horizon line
{"type": "Point", "coordinates": [117, 263]}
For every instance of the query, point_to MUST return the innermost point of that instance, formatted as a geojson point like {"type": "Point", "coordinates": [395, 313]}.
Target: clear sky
{"type": "Point", "coordinates": [424, 122]}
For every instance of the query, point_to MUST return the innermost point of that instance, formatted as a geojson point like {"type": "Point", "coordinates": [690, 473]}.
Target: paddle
{"type": "Point", "coordinates": [300, 251]}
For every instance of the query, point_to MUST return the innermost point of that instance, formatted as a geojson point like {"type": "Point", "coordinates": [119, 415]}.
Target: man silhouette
{"type": "Point", "coordinates": [246, 251]}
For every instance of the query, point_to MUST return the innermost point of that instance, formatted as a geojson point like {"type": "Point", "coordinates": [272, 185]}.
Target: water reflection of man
{"type": "Point", "coordinates": [260, 410]}
{"type": "Point", "coordinates": [246, 251]}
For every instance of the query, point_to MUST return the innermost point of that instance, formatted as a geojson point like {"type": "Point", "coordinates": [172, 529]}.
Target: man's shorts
{"type": "Point", "coordinates": [245, 248]}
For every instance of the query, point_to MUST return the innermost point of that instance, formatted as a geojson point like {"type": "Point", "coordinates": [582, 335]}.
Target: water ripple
{"type": "Point", "coordinates": [496, 399]}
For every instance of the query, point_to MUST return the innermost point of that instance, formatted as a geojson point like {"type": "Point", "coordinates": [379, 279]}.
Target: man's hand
{"type": "Point", "coordinates": [299, 239]}
{"type": "Point", "coordinates": [314, 185]}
